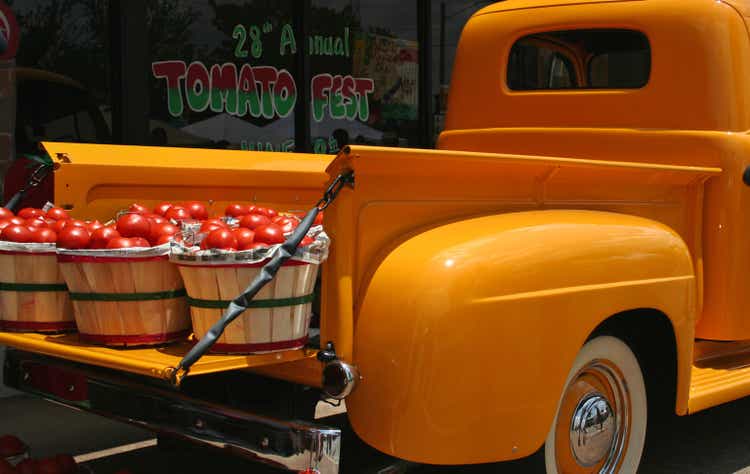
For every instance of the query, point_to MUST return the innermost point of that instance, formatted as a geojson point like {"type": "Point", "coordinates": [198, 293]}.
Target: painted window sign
{"type": "Point", "coordinates": [264, 91]}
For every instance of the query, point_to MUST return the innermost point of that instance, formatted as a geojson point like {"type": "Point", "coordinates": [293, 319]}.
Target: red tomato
{"type": "Point", "coordinates": [5, 213]}
{"type": "Point", "coordinates": [27, 466]}
{"type": "Point", "coordinates": [221, 239]}
{"type": "Point", "coordinates": [57, 213]}
{"type": "Point", "coordinates": [16, 233]}
{"type": "Point", "coordinates": [36, 222]}
{"type": "Point", "coordinates": [133, 225]}
{"type": "Point", "coordinates": [47, 466]}
{"type": "Point", "coordinates": [266, 211]}
{"type": "Point", "coordinates": [196, 209]}
{"type": "Point", "coordinates": [162, 208]}
{"type": "Point", "coordinates": [137, 208]}
{"type": "Point", "coordinates": [156, 219]}
{"type": "Point", "coordinates": [157, 230]}
{"type": "Point", "coordinates": [5, 223]}
{"type": "Point", "coordinates": [217, 221]}
{"type": "Point", "coordinates": [6, 468]}
{"type": "Point", "coordinates": [237, 210]}
{"type": "Point", "coordinates": [211, 225]}
{"type": "Point", "coordinates": [177, 213]}
{"type": "Point", "coordinates": [74, 223]}
{"type": "Point", "coordinates": [44, 236]}
{"type": "Point", "coordinates": [287, 224]}
{"type": "Point", "coordinates": [253, 221]}
{"type": "Point", "coordinates": [269, 234]}
{"type": "Point", "coordinates": [58, 226]}
{"type": "Point", "coordinates": [29, 212]}
{"type": "Point", "coordinates": [318, 219]}
{"type": "Point", "coordinates": [101, 237]}
{"type": "Point", "coordinates": [11, 446]}
{"type": "Point", "coordinates": [140, 242]}
{"type": "Point", "coordinates": [165, 239]}
{"type": "Point", "coordinates": [245, 238]}
{"type": "Point", "coordinates": [66, 463]}
{"type": "Point", "coordinates": [93, 225]}
{"type": "Point", "coordinates": [72, 237]}
{"type": "Point", "coordinates": [306, 241]}
{"type": "Point", "coordinates": [17, 220]}
{"type": "Point", "coordinates": [120, 243]}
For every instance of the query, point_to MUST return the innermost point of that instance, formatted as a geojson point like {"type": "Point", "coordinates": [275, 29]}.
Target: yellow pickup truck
{"type": "Point", "coordinates": [569, 266]}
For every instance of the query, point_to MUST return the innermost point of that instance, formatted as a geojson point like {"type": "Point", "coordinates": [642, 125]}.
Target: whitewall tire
{"type": "Point", "coordinates": [600, 425]}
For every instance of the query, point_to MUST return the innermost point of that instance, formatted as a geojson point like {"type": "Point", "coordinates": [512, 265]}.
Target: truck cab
{"type": "Point", "coordinates": [568, 267]}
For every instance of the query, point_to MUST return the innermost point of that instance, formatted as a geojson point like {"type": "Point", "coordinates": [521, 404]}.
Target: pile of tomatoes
{"type": "Point", "coordinates": [37, 226]}
{"type": "Point", "coordinates": [55, 226]}
{"type": "Point", "coordinates": [256, 227]}
{"type": "Point", "coordinates": [11, 447]}
{"type": "Point", "coordinates": [243, 227]}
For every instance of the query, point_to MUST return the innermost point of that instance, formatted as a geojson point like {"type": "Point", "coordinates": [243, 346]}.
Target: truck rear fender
{"type": "Point", "coordinates": [466, 331]}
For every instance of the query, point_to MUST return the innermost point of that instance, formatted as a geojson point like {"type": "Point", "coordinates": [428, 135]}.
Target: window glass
{"type": "Point", "coordinates": [448, 20]}
{"type": "Point", "coordinates": [62, 73]}
{"type": "Point", "coordinates": [222, 74]}
{"type": "Point", "coordinates": [363, 58]}
{"type": "Point", "coordinates": [53, 111]}
{"type": "Point", "coordinates": [580, 59]}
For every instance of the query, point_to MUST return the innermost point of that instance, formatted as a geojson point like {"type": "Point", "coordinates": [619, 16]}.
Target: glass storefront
{"type": "Point", "coordinates": [227, 73]}
{"type": "Point", "coordinates": [61, 86]}
{"type": "Point", "coordinates": [364, 61]}
{"type": "Point", "coordinates": [222, 74]}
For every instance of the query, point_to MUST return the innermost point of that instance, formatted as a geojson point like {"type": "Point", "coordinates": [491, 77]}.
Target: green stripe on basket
{"type": "Point", "coordinates": [33, 287]}
{"type": "Point", "coordinates": [159, 295]}
{"type": "Point", "coordinates": [275, 303]}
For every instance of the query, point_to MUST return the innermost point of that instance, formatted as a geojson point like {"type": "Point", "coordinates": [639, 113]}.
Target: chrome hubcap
{"type": "Point", "coordinates": [593, 430]}
{"type": "Point", "coordinates": [593, 425]}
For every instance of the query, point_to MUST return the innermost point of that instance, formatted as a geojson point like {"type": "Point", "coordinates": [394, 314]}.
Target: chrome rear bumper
{"type": "Point", "coordinates": [292, 445]}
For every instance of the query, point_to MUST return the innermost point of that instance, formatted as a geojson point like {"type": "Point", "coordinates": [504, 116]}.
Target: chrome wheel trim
{"type": "Point", "coordinates": [598, 392]}
{"type": "Point", "coordinates": [593, 430]}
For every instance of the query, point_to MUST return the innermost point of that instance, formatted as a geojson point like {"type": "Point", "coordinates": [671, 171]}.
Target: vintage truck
{"type": "Point", "coordinates": [566, 269]}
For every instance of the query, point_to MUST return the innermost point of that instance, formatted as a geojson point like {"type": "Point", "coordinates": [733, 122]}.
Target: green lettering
{"type": "Point", "coordinates": [287, 40]}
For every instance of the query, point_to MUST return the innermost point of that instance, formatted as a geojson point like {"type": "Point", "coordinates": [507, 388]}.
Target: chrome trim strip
{"type": "Point", "coordinates": [292, 445]}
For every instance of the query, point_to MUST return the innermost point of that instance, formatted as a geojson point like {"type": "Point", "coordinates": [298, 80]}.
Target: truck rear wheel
{"type": "Point", "coordinates": [600, 425]}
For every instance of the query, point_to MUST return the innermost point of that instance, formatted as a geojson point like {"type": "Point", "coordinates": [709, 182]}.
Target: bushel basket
{"type": "Point", "coordinates": [278, 317]}
{"type": "Point", "coordinates": [33, 295]}
{"type": "Point", "coordinates": [126, 297]}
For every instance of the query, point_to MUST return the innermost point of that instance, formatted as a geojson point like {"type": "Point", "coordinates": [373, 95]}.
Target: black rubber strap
{"type": "Point", "coordinates": [159, 295]}
{"type": "Point", "coordinates": [244, 301]}
{"type": "Point", "coordinates": [275, 303]}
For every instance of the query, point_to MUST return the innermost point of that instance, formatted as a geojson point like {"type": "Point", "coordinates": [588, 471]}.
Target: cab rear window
{"type": "Point", "coordinates": [580, 59]}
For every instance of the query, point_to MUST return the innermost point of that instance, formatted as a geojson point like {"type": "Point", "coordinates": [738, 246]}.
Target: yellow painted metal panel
{"type": "Point", "coordinates": [156, 362]}
{"type": "Point", "coordinates": [98, 180]}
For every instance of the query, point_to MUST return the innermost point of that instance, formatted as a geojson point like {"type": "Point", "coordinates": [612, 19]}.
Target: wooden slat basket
{"type": "Point", "coordinates": [278, 317]}
{"type": "Point", "coordinates": [33, 295]}
{"type": "Point", "coordinates": [126, 297]}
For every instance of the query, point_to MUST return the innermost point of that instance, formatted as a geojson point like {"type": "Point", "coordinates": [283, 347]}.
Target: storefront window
{"type": "Point", "coordinates": [448, 20]}
{"type": "Point", "coordinates": [62, 73]}
{"type": "Point", "coordinates": [222, 74]}
{"type": "Point", "coordinates": [363, 57]}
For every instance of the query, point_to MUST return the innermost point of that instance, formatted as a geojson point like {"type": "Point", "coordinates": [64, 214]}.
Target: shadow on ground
{"type": "Point", "coordinates": [714, 441]}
